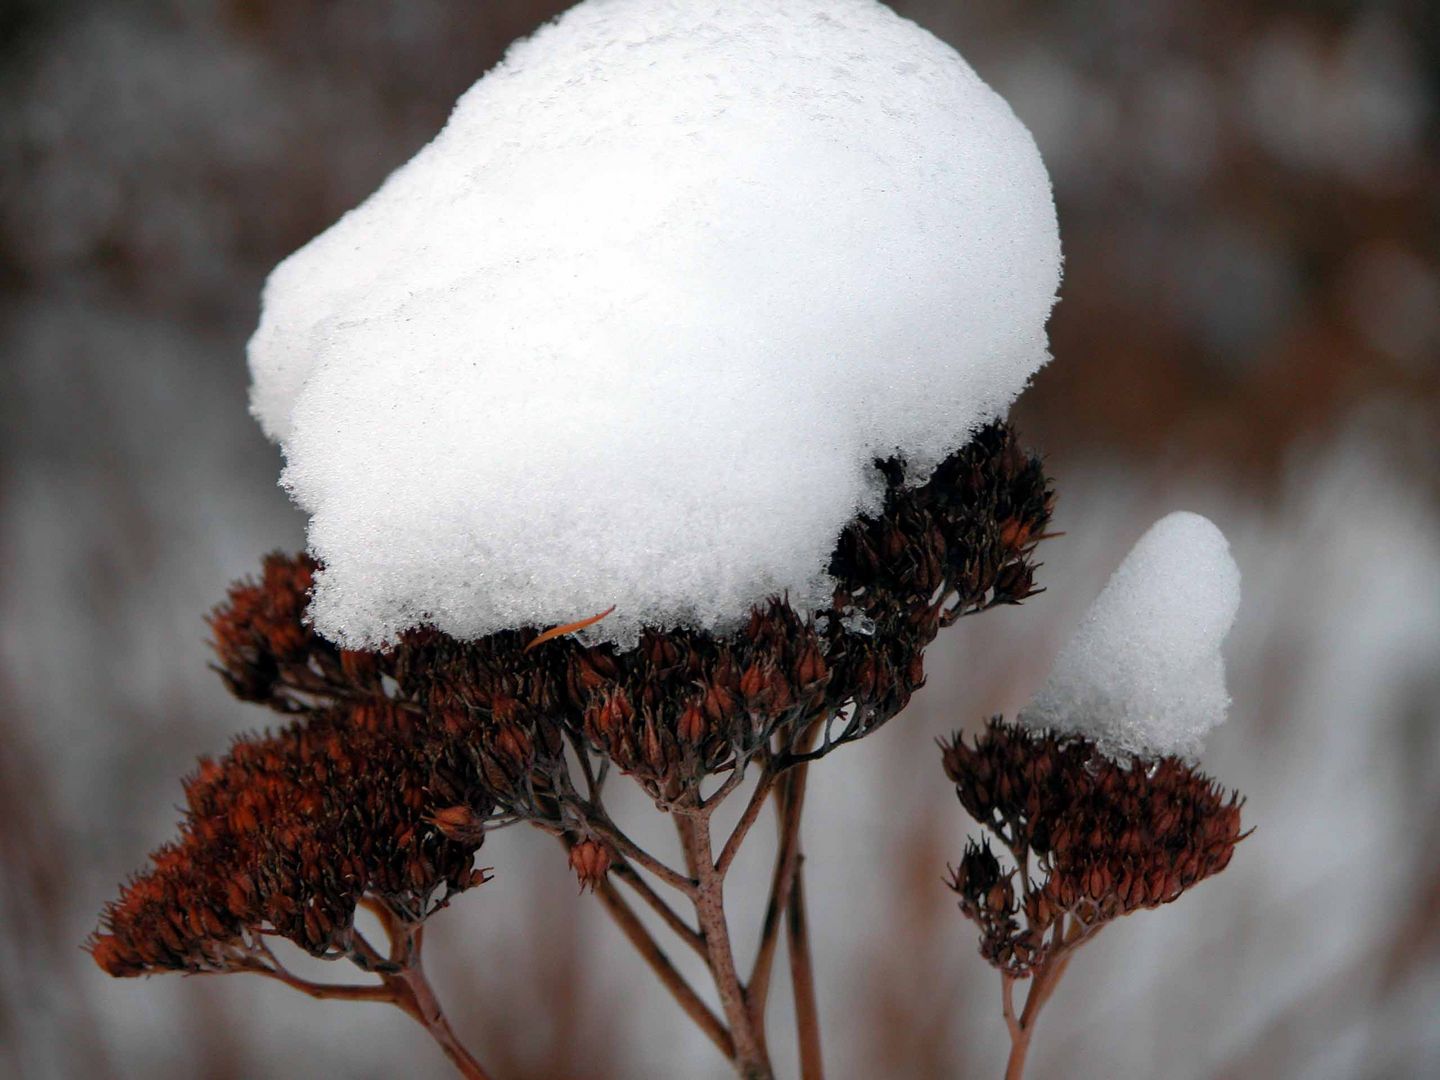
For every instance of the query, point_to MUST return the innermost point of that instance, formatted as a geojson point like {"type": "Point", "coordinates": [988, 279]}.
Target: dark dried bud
{"type": "Point", "coordinates": [691, 726]}
{"type": "Point", "coordinates": [719, 704]}
{"type": "Point", "coordinates": [459, 823]}
{"type": "Point", "coordinates": [590, 860]}
{"type": "Point", "coordinates": [512, 743]}
{"type": "Point", "coordinates": [810, 667]}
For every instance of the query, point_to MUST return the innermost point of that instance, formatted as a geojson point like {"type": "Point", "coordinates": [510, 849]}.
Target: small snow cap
{"type": "Point", "coordinates": [1143, 675]}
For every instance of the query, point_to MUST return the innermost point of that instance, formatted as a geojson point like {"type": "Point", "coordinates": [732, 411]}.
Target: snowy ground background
{"type": "Point", "coordinates": [1249, 328]}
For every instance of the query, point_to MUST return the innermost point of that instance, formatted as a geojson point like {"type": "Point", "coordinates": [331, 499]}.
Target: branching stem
{"type": "Point", "coordinates": [416, 997]}
{"type": "Point", "coordinates": [750, 1057]}
{"type": "Point", "coordinates": [802, 979]}
{"type": "Point", "coordinates": [1043, 981]}
{"type": "Point", "coordinates": [747, 819]}
{"type": "Point", "coordinates": [601, 824]}
{"type": "Point", "coordinates": [678, 926]}
{"type": "Point", "coordinates": [402, 984]}
{"type": "Point", "coordinates": [791, 801]}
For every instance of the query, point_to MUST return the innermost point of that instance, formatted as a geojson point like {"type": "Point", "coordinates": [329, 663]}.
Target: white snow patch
{"type": "Point", "coordinates": [631, 330]}
{"type": "Point", "coordinates": [1143, 675]}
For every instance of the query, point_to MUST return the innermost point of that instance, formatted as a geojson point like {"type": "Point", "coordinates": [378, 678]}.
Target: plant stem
{"type": "Point", "coordinates": [790, 799]}
{"type": "Point", "coordinates": [681, 929]}
{"type": "Point", "coordinates": [329, 991]}
{"type": "Point", "coordinates": [750, 1058]}
{"type": "Point", "coordinates": [407, 989]}
{"type": "Point", "coordinates": [631, 926]}
{"type": "Point", "coordinates": [417, 997]}
{"type": "Point", "coordinates": [1042, 985]}
{"type": "Point", "coordinates": [802, 980]}
{"type": "Point", "coordinates": [686, 832]}
{"type": "Point", "coordinates": [601, 824]}
{"type": "Point", "coordinates": [1019, 1047]}
{"type": "Point", "coordinates": [747, 819]}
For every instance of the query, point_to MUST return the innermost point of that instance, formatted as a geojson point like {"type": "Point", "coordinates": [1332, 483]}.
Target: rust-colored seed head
{"type": "Point", "coordinates": [590, 859]}
{"type": "Point", "coordinates": [391, 761]}
{"type": "Point", "coordinates": [289, 832]}
{"type": "Point", "coordinates": [683, 704]}
{"type": "Point", "coordinates": [1111, 836]}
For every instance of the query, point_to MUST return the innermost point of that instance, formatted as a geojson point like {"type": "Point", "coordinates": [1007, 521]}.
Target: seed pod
{"type": "Point", "coordinates": [590, 860]}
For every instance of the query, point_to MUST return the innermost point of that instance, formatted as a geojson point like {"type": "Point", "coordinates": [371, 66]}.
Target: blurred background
{"type": "Point", "coordinates": [1249, 327]}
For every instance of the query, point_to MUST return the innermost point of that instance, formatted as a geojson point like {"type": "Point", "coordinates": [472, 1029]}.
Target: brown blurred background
{"type": "Point", "coordinates": [1250, 327]}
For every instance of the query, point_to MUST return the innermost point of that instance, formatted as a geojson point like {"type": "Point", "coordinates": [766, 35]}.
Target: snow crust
{"type": "Point", "coordinates": [1143, 675]}
{"type": "Point", "coordinates": [632, 329]}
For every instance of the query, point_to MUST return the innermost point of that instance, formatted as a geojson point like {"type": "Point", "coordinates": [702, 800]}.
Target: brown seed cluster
{"type": "Point", "coordinates": [265, 650]}
{"type": "Point", "coordinates": [288, 832]}
{"type": "Point", "coordinates": [396, 761]}
{"type": "Point", "coordinates": [684, 704]}
{"type": "Point", "coordinates": [357, 797]}
{"type": "Point", "coordinates": [1109, 838]}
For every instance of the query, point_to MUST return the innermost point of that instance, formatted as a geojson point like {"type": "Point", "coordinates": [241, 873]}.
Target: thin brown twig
{"type": "Point", "coordinates": [1007, 1003]}
{"type": "Point", "coordinates": [1042, 985]}
{"type": "Point", "coordinates": [747, 819]}
{"type": "Point", "coordinates": [631, 926]}
{"type": "Point", "coordinates": [802, 979]}
{"type": "Point", "coordinates": [592, 788]}
{"type": "Point", "coordinates": [382, 911]}
{"type": "Point", "coordinates": [718, 796]}
{"type": "Point", "coordinates": [332, 991]}
{"type": "Point", "coordinates": [683, 930]}
{"type": "Point", "coordinates": [417, 997]}
{"type": "Point", "coordinates": [304, 681]}
{"type": "Point", "coordinates": [601, 824]}
{"type": "Point", "coordinates": [419, 1000]}
{"type": "Point", "coordinates": [686, 834]}
{"type": "Point", "coordinates": [369, 958]}
{"type": "Point", "coordinates": [749, 1057]}
{"type": "Point", "coordinates": [759, 983]}
{"type": "Point", "coordinates": [782, 881]}
{"type": "Point", "coordinates": [1019, 1034]}
{"type": "Point", "coordinates": [406, 988]}
{"type": "Point", "coordinates": [1055, 969]}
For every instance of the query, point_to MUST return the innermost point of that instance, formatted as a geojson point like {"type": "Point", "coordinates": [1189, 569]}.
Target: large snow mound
{"type": "Point", "coordinates": [632, 329]}
{"type": "Point", "coordinates": [1143, 675]}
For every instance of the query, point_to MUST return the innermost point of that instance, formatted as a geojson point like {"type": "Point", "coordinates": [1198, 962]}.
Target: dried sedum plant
{"type": "Point", "coordinates": [1090, 839]}
{"type": "Point", "coordinates": [698, 319]}
{"type": "Point", "coordinates": [396, 762]}
{"type": "Point", "coordinates": [1094, 793]}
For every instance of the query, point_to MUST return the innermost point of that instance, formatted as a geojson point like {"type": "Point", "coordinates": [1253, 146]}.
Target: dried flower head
{"type": "Point", "coordinates": [396, 761]}
{"type": "Point", "coordinates": [287, 834]}
{"type": "Point", "coordinates": [1106, 837]}
{"type": "Point", "coordinates": [393, 764]}
{"type": "Point", "coordinates": [683, 704]}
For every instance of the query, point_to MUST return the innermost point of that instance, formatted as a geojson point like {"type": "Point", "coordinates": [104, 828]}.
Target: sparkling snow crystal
{"type": "Point", "coordinates": [1143, 674]}
{"type": "Point", "coordinates": [631, 330]}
